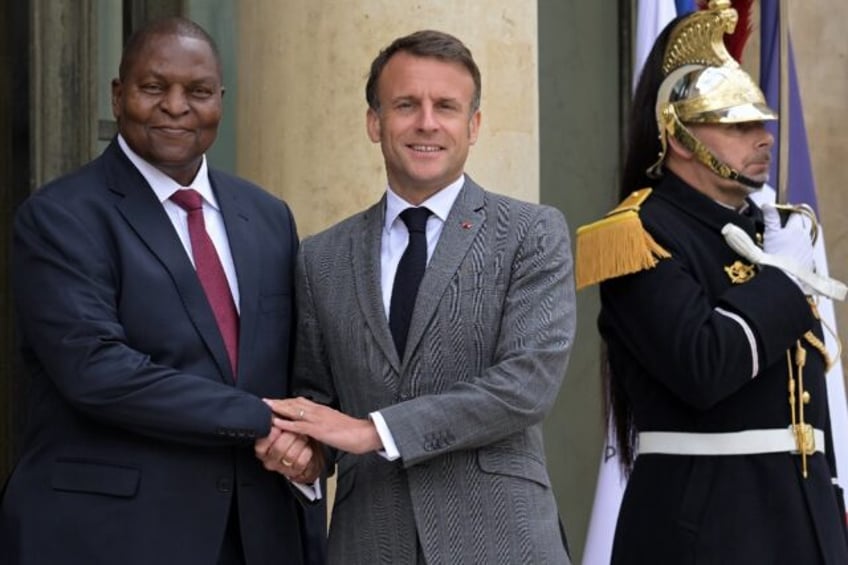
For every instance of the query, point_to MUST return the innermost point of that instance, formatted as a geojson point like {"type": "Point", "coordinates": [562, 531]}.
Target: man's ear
{"type": "Point", "coordinates": [474, 127]}
{"type": "Point", "coordinates": [372, 125]}
{"type": "Point", "coordinates": [116, 98]}
{"type": "Point", "coordinates": [678, 148]}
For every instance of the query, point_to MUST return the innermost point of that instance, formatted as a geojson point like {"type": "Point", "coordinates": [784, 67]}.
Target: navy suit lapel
{"type": "Point", "coordinates": [244, 247]}
{"type": "Point", "coordinates": [365, 242]}
{"type": "Point", "coordinates": [145, 215]}
{"type": "Point", "coordinates": [461, 227]}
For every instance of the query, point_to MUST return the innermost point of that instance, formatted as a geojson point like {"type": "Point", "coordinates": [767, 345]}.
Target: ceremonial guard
{"type": "Point", "coordinates": [715, 360]}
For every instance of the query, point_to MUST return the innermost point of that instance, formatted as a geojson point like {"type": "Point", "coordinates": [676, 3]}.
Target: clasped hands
{"type": "Point", "coordinates": [300, 426]}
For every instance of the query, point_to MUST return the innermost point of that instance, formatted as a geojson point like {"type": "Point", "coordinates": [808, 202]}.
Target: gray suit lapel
{"type": "Point", "coordinates": [365, 243]}
{"type": "Point", "coordinates": [461, 227]}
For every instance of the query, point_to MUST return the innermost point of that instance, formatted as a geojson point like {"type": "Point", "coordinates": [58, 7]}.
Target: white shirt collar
{"type": "Point", "coordinates": [163, 185]}
{"type": "Point", "coordinates": [440, 203]}
{"type": "Point", "coordinates": [741, 210]}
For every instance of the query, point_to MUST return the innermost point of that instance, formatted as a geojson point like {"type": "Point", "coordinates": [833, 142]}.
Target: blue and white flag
{"type": "Point", "coordinates": [801, 189]}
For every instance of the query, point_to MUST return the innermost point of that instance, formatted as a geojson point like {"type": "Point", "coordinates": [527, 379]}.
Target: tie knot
{"type": "Point", "coordinates": [188, 199]}
{"type": "Point", "coordinates": [415, 218]}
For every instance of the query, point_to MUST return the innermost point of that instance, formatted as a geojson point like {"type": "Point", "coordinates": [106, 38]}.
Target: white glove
{"type": "Point", "coordinates": [810, 282]}
{"type": "Point", "coordinates": [791, 242]}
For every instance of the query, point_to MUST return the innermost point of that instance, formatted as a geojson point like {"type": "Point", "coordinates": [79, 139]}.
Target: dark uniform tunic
{"type": "Point", "coordinates": [687, 366]}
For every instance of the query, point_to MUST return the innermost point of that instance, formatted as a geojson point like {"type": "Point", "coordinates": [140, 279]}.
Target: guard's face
{"type": "Point", "coordinates": [425, 125]}
{"type": "Point", "coordinates": [169, 104]}
{"type": "Point", "coordinates": [744, 146]}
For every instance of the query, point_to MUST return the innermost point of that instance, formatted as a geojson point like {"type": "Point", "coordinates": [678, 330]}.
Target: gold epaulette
{"type": "Point", "coordinates": [617, 244]}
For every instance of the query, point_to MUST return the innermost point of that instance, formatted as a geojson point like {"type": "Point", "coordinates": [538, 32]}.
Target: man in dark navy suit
{"type": "Point", "coordinates": [154, 300]}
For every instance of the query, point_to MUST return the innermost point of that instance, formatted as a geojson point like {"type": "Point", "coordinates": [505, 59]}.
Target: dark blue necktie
{"type": "Point", "coordinates": [408, 277]}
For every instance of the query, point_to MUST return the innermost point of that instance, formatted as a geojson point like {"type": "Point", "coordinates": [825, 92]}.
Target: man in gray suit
{"type": "Point", "coordinates": [436, 428]}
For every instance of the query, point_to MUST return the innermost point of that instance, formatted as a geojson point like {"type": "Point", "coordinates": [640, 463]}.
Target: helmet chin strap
{"type": "Point", "coordinates": [670, 125]}
{"type": "Point", "coordinates": [708, 158]}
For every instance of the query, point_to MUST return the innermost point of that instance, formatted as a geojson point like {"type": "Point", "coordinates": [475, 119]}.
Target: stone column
{"type": "Point", "coordinates": [301, 103]}
{"type": "Point", "coordinates": [62, 87]}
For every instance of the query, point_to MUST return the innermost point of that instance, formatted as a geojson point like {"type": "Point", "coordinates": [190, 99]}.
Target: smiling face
{"type": "Point", "coordinates": [168, 104]}
{"type": "Point", "coordinates": [424, 124]}
{"type": "Point", "coordinates": [745, 146]}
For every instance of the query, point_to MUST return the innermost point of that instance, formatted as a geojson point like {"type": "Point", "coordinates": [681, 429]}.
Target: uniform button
{"type": "Point", "coordinates": [225, 484]}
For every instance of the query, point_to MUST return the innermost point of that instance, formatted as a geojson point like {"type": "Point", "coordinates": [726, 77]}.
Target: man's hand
{"type": "Point", "coordinates": [296, 456]}
{"type": "Point", "coordinates": [328, 426]}
{"type": "Point", "coordinates": [791, 241]}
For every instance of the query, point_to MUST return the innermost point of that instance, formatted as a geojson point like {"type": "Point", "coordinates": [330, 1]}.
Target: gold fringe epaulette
{"type": "Point", "coordinates": [617, 244]}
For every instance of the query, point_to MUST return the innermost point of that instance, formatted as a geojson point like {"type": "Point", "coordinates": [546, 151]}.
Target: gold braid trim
{"type": "Point", "coordinates": [819, 346]}
{"type": "Point", "coordinates": [617, 244]}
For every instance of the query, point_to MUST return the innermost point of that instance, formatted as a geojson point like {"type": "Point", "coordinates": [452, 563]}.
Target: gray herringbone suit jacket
{"type": "Point", "coordinates": [487, 350]}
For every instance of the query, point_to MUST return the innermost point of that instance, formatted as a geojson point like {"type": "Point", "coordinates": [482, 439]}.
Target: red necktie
{"type": "Point", "coordinates": [210, 272]}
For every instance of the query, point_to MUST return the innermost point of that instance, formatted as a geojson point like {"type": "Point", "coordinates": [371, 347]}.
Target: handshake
{"type": "Point", "coordinates": [301, 428]}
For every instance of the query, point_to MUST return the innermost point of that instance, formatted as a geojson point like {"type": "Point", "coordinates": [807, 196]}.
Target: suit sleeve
{"type": "Point", "coordinates": [703, 352]}
{"type": "Point", "coordinates": [535, 336]}
{"type": "Point", "coordinates": [312, 377]}
{"type": "Point", "coordinates": [67, 287]}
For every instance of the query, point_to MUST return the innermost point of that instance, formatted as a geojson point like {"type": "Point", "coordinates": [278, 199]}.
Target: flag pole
{"type": "Point", "coordinates": [783, 125]}
{"type": "Point", "coordinates": [626, 23]}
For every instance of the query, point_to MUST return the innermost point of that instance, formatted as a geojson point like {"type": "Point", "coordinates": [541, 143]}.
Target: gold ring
{"type": "Point", "coordinates": [285, 462]}
{"type": "Point", "coordinates": [300, 414]}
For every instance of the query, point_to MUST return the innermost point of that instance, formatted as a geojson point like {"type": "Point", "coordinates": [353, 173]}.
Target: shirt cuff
{"type": "Point", "coordinates": [311, 492]}
{"type": "Point", "coordinates": [390, 450]}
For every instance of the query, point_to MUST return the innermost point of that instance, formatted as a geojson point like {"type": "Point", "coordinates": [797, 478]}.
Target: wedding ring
{"type": "Point", "coordinates": [285, 462]}
{"type": "Point", "coordinates": [300, 414]}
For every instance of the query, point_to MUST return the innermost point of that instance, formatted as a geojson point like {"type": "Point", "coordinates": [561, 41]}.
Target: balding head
{"type": "Point", "coordinates": [174, 26]}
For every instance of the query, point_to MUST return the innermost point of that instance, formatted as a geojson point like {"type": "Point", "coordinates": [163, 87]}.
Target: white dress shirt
{"type": "Point", "coordinates": [164, 186]}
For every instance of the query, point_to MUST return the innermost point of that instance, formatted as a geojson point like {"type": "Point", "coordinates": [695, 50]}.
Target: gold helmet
{"type": "Point", "coordinates": [704, 85]}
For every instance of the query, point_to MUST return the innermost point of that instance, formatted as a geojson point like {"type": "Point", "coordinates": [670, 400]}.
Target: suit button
{"type": "Point", "coordinates": [225, 484]}
{"type": "Point", "coordinates": [404, 396]}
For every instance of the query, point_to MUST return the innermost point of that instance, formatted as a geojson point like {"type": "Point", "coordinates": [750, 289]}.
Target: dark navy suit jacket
{"type": "Point", "coordinates": [139, 436]}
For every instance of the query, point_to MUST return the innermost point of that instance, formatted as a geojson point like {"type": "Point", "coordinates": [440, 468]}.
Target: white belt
{"type": "Point", "coordinates": [749, 442]}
